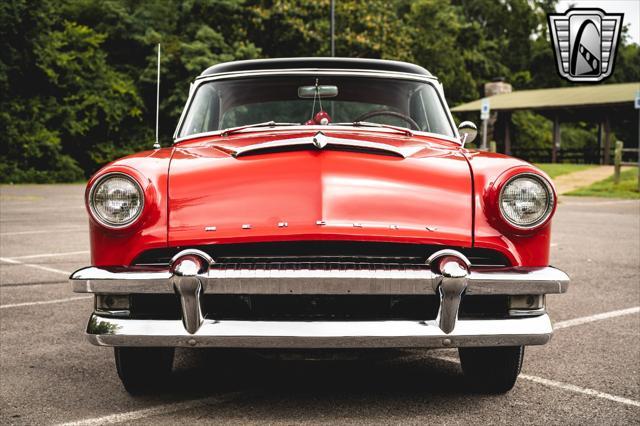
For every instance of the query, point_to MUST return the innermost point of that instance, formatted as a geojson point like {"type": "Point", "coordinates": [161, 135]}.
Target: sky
{"type": "Point", "coordinates": [630, 8]}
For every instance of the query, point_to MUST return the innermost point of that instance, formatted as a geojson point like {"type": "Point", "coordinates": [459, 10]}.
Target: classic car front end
{"type": "Point", "coordinates": [318, 228]}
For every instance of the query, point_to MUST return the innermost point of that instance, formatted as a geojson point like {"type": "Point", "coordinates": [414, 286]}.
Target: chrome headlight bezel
{"type": "Point", "coordinates": [549, 208]}
{"type": "Point", "coordinates": [101, 219]}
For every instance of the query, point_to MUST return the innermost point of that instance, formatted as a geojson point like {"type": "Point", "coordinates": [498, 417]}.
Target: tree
{"type": "Point", "coordinates": [77, 77]}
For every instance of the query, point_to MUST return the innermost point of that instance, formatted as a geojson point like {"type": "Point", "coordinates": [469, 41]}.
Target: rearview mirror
{"type": "Point", "coordinates": [468, 132]}
{"type": "Point", "coordinates": [310, 92]}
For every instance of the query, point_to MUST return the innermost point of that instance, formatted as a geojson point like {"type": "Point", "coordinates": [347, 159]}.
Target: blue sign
{"type": "Point", "coordinates": [485, 109]}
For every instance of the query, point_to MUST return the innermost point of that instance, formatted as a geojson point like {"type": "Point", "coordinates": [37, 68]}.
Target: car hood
{"type": "Point", "coordinates": [347, 186]}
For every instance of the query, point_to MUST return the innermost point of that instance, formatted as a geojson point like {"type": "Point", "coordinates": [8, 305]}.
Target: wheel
{"type": "Point", "coordinates": [492, 370]}
{"type": "Point", "coordinates": [141, 369]}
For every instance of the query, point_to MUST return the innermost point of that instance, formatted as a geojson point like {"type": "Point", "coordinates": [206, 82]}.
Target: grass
{"type": "Point", "coordinates": [559, 169]}
{"type": "Point", "coordinates": [627, 188]}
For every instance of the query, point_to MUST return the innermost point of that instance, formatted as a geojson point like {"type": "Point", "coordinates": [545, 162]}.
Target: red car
{"type": "Point", "coordinates": [319, 203]}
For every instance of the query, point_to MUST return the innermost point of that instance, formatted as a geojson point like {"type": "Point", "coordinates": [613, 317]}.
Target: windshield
{"type": "Point", "coordinates": [224, 104]}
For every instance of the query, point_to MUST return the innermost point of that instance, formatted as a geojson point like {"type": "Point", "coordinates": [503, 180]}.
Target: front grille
{"type": "Point", "coordinates": [327, 252]}
{"type": "Point", "coordinates": [320, 308]}
{"type": "Point", "coordinates": [306, 265]}
{"type": "Point", "coordinates": [333, 257]}
{"type": "Point", "coordinates": [316, 307]}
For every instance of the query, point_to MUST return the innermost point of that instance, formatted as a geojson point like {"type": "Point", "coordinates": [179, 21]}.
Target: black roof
{"type": "Point", "coordinates": [321, 63]}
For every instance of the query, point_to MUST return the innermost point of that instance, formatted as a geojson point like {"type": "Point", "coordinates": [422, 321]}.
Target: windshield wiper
{"type": "Point", "coordinates": [227, 132]}
{"type": "Point", "coordinates": [404, 130]}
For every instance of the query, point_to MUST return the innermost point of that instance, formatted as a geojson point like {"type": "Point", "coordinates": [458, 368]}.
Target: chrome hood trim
{"type": "Point", "coordinates": [320, 141]}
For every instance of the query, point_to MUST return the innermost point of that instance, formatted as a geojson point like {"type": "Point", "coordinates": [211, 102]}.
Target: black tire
{"type": "Point", "coordinates": [143, 369]}
{"type": "Point", "coordinates": [492, 370]}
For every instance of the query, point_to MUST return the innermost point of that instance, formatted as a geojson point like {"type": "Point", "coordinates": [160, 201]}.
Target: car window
{"type": "Point", "coordinates": [203, 115]}
{"type": "Point", "coordinates": [229, 103]}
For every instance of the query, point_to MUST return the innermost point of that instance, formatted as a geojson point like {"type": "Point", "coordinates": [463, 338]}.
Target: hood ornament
{"type": "Point", "coordinates": [320, 140]}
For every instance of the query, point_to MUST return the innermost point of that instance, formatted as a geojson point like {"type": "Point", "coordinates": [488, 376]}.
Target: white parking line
{"type": "Point", "coordinates": [33, 265]}
{"type": "Point", "coordinates": [34, 256]}
{"type": "Point", "coordinates": [154, 411]}
{"type": "Point", "coordinates": [43, 231]}
{"type": "Point", "coordinates": [198, 403]}
{"type": "Point", "coordinates": [562, 385]}
{"type": "Point", "coordinates": [44, 302]}
{"type": "Point", "coordinates": [580, 389]}
{"type": "Point", "coordinates": [596, 317]}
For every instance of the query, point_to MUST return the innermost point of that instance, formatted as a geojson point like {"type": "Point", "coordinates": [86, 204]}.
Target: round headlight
{"type": "Point", "coordinates": [526, 200]}
{"type": "Point", "coordinates": [116, 200]}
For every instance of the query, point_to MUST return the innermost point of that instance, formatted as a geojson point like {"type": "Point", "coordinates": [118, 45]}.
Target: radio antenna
{"type": "Point", "coordinates": [156, 145]}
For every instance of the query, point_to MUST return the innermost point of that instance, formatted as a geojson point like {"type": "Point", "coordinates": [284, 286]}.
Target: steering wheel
{"type": "Point", "coordinates": [375, 113]}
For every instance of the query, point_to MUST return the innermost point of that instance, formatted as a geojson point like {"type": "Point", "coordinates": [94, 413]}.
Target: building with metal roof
{"type": "Point", "coordinates": [594, 103]}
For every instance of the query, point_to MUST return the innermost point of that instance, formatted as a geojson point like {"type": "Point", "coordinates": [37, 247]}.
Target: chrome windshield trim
{"type": "Point", "coordinates": [409, 280]}
{"type": "Point", "coordinates": [105, 331]}
{"type": "Point", "coordinates": [303, 127]}
{"type": "Point", "coordinates": [433, 81]}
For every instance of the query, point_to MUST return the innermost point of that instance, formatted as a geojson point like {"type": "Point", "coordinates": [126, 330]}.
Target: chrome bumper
{"type": "Point", "coordinates": [104, 331]}
{"type": "Point", "coordinates": [448, 274]}
{"type": "Point", "coordinates": [506, 281]}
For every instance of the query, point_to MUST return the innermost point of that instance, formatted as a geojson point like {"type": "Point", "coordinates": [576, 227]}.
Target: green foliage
{"type": "Point", "coordinates": [77, 77]}
{"type": "Point", "coordinates": [437, 29]}
{"type": "Point", "coordinates": [70, 106]}
{"type": "Point", "coordinates": [531, 130]}
{"type": "Point", "coordinates": [579, 135]}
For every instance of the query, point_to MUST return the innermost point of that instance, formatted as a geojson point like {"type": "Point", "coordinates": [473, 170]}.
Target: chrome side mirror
{"type": "Point", "coordinates": [468, 132]}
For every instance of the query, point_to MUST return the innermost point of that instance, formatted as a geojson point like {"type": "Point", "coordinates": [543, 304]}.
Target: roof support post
{"type": "Point", "coordinates": [607, 141]}
{"type": "Point", "coordinates": [556, 139]}
{"type": "Point", "coordinates": [600, 127]}
{"type": "Point", "coordinates": [507, 132]}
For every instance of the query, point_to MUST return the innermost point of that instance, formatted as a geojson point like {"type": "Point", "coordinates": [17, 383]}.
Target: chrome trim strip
{"type": "Point", "coordinates": [503, 281]}
{"type": "Point", "coordinates": [300, 281]}
{"type": "Point", "coordinates": [519, 280]}
{"type": "Point", "coordinates": [104, 331]}
{"type": "Point", "coordinates": [119, 281]}
{"type": "Point", "coordinates": [317, 71]}
{"type": "Point", "coordinates": [403, 152]}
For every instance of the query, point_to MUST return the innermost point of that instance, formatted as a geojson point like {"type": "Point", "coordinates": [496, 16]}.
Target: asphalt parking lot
{"type": "Point", "coordinates": [49, 374]}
